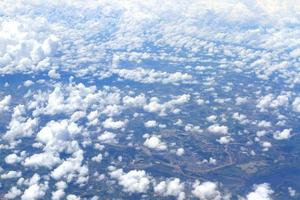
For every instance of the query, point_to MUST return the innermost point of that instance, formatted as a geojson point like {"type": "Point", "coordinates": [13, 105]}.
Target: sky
{"type": "Point", "coordinates": [82, 80]}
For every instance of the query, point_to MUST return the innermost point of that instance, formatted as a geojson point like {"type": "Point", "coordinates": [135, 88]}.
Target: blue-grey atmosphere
{"type": "Point", "coordinates": [150, 99]}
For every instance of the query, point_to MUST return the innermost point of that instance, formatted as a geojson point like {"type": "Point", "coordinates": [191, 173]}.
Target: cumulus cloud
{"type": "Point", "coordinates": [261, 192]}
{"type": "Point", "coordinates": [150, 124]}
{"type": "Point", "coordinates": [180, 151]}
{"type": "Point", "coordinates": [13, 193]}
{"type": "Point", "coordinates": [135, 181]}
{"type": "Point", "coordinates": [296, 104]}
{"type": "Point", "coordinates": [152, 76]}
{"type": "Point", "coordinates": [155, 106]}
{"type": "Point", "coordinates": [12, 158]}
{"type": "Point", "coordinates": [11, 174]}
{"type": "Point", "coordinates": [35, 191]}
{"type": "Point", "coordinates": [224, 140]}
{"type": "Point", "coordinates": [219, 129]}
{"type": "Point", "coordinates": [111, 124]}
{"type": "Point", "coordinates": [4, 103]}
{"type": "Point", "coordinates": [72, 168]}
{"type": "Point", "coordinates": [282, 135]}
{"type": "Point", "coordinates": [55, 133]}
{"type": "Point", "coordinates": [25, 46]}
{"type": "Point", "coordinates": [171, 187]}
{"type": "Point", "coordinates": [154, 142]}
{"type": "Point", "coordinates": [46, 159]}
{"type": "Point", "coordinates": [20, 126]}
{"type": "Point", "coordinates": [107, 137]}
{"type": "Point", "coordinates": [206, 191]}
{"type": "Point", "coordinates": [137, 101]}
{"type": "Point", "coordinates": [59, 193]}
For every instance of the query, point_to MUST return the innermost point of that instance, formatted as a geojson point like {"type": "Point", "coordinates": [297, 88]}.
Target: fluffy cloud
{"type": "Point", "coordinates": [59, 193]}
{"type": "Point", "coordinates": [35, 191]}
{"type": "Point", "coordinates": [107, 137]}
{"type": "Point", "coordinates": [4, 103]}
{"type": "Point", "coordinates": [152, 76]}
{"type": "Point", "coordinates": [179, 151]}
{"type": "Point", "coordinates": [11, 174]}
{"type": "Point", "coordinates": [296, 104]}
{"type": "Point", "coordinates": [20, 126]}
{"type": "Point", "coordinates": [261, 192]}
{"type": "Point", "coordinates": [282, 135]}
{"type": "Point", "coordinates": [154, 142]}
{"type": "Point", "coordinates": [150, 124]}
{"type": "Point", "coordinates": [135, 181]}
{"type": "Point", "coordinates": [25, 46]}
{"type": "Point", "coordinates": [13, 193]}
{"type": "Point", "coordinates": [216, 128]}
{"type": "Point", "coordinates": [46, 159]}
{"type": "Point", "coordinates": [12, 159]}
{"type": "Point", "coordinates": [155, 106]}
{"type": "Point", "coordinates": [269, 101]}
{"type": "Point", "coordinates": [72, 168]}
{"type": "Point", "coordinates": [171, 187]}
{"type": "Point", "coordinates": [224, 139]}
{"type": "Point", "coordinates": [137, 101]}
{"type": "Point", "coordinates": [206, 191]}
{"type": "Point", "coordinates": [111, 124]}
{"type": "Point", "coordinates": [57, 132]}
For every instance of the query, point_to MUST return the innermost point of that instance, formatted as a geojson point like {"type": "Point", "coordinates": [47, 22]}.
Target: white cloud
{"type": "Point", "coordinates": [179, 151]}
{"type": "Point", "coordinates": [73, 197]}
{"type": "Point", "coordinates": [112, 110]}
{"type": "Point", "coordinates": [266, 145]}
{"type": "Point", "coordinates": [206, 191]}
{"type": "Point", "coordinates": [55, 133]}
{"type": "Point", "coordinates": [72, 168]}
{"type": "Point", "coordinates": [24, 45]}
{"type": "Point", "coordinates": [150, 124]}
{"type": "Point", "coordinates": [261, 192]}
{"type": "Point", "coordinates": [20, 126]}
{"type": "Point", "coordinates": [224, 139]}
{"type": "Point", "coordinates": [97, 158]}
{"type": "Point", "coordinates": [11, 174]}
{"type": "Point", "coordinates": [12, 159]}
{"type": "Point", "coordinates": [135, 181]}
{"type": "Point", "coordinates": [282, 135]}
{"type": "Point", "coordinates": [151, 76]}
{"type": "Point", "coordinates": [296, 104]}
{"type": "Point", "coordinates": [216, 128]}
{"type": "Point", "coordinates": [264, 124]}
{"type": "Point", "coordinates": [107, 137]}
{"type": "Point", "coordinates": [155, 106]}
{"type": "Point", "coordinates": [28, 83]}
{"type": "Point", "coordinates": [154, 142]}
{"type": "Point", "coordinates": [137, 101]}
{"type": "Point", "coordinates": [193, 128]}
{"type": "Point", "coordinates": [34, 192]}
{"type": "Point", "coordinates": [46, 159]}
{"type": "Point", "coordinates": [59, 193]}
{"type": "Point", "coordinates": [4, 103]}
{"type": "Point", "coordinates": [271, 101]}
{"type": "Point", "coordinates": [211, 118]}
{"type": "Point", "coordinates": [170, 187]}
{"type": "Point", "coordinates": [111, 124]}
{"type": "Point", "coordinates": [13, 193]}
{"type": "Point", "coordinates": [292, 192]}
{"type": "Point", "coordinates": [241, 100]}
{"type": "Point", "coordinates": [53, 74]}
{"type": "Point", "coordinates": [264, 102]}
